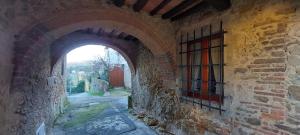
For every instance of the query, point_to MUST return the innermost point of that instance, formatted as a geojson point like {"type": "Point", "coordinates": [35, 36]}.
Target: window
{"type": "Point", "coordinates": [202, 67]}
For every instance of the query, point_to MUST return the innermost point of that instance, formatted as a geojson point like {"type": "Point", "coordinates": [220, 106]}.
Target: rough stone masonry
{"type": "Point", "coordinates": [262, 60]}
{"type": "Point", "coordinates": [262, 72]}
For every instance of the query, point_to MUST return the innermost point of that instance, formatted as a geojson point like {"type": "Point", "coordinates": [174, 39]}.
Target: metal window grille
{"type": "Point", "coordinates": [202, 67]}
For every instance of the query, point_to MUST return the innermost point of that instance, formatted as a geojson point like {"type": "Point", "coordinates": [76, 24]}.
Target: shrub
{"type": "Point", "coordinates": [79, 88]}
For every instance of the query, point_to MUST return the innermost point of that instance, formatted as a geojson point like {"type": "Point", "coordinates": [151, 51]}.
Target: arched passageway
{"type": "Point", "coordinates": [259, 93]}
{"type": "Point", "coordinates": [97, 95]}
{"type": "Point", "coordinates": [41, 46]}
{"type": "Point", "coordinates": [127, 48]}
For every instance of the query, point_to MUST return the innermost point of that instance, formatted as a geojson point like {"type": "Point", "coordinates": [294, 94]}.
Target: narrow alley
{"type": "Point", "coordinates": [95, 115]}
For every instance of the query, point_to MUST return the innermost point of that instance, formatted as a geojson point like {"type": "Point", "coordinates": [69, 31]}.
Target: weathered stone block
{"type": "Point", "coordinates": [277, 47]}
{"type": "Point", "coordinates": [265, 42]}
{"type": "Point", "coordinates": [274, 115]}
{"type": "Point", "coordinates": [288, 129]}
{"type": "Point", "coordinates": [287, 10]}
{"type": "Point", "coordinates": [261, 99]}
{"type": "Point", "coordinates": [240, 70]}
{"type": "Point", "coordinates": [298, 70]}
{"type": "Point", "coordinates": [269, 70]}
{"type": "Point", "coordinates": [294, 60]}
{"type": "Point", "coordinates": [258, 65]}
{"type": "Point", "coordinates": [293, 121]}
{"type": "Point", "coordinates": [278, 54]}
{"type": "Point", "coordinates": [294, 92]}
{"type": "Point", "coordinates": [269, 94]}
{"type": "Point", "coordinates": [277, 41]}
{"type": "Point", "coordinates": [271, 60]}
{"type": "Point", "coordinates": [151, 121]}
{"type": "Point", "coordinates": [249, 76]}
{"type": "Point", "coordinates": [295, 50]}
{"type": "Point", "coordinates": [253, 121]}
{"type": "Point", "coordinates": [270, 32]}
{"type": "Point", "coordinates": [281, 27]}
{"type": "Point", "coordinates": [297, 108]}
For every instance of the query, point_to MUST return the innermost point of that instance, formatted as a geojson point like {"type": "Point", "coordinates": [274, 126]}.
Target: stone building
{"type": "Point", "coordinates": [258, 92]}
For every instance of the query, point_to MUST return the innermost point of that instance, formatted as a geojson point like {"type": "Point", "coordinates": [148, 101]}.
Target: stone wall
{"type": "Point", "coordinates": [38, 98]}
{"type": "Point", "coordinates": [150, 91]}
{"type": "Point", "coordinates": [6, 73]}
{"type": "Point", "coordinates": [6, 64]}
{"type": "Point", "coordinates": [261, 73]}
{"type": "Point", "coordinates": [154, 94]}
{"type": "Point", "coordinates": [29, 27]}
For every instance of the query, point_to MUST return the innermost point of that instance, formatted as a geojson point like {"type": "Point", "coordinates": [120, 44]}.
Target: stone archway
{"type": "Point", "coordinates": [36, 56]}
{"type": "Point", "coordinates": [74, 40]}
{"type": "Point", "coordinates": [31, 39]}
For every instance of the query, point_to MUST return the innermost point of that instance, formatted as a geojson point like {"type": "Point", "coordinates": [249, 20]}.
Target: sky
{"type": "Point", "coordinates": [85, 53]}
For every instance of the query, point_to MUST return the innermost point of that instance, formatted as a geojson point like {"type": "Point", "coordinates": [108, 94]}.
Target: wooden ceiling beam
{"type": "Point", "coordinates": [139, 5]}
{"type": "Point", "coordinates": [197, 8]}
{"type": "Point", "coordinates": [219, 4]}
{"type": "Point", "coordinates": [178, 8]}
{"type": "Point", "coordinates": [159, 7]}
{"type": "Point", "coordinates": [119, 3]}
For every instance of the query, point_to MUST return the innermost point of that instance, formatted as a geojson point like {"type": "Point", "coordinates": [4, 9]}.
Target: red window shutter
{"type": "Point", "coordinates": [205, 68]}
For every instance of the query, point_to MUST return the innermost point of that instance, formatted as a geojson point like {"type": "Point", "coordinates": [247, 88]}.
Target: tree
{"type": "Point", "coordinates": [98, 64]}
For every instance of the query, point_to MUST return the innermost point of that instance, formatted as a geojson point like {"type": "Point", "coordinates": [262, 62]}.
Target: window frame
{"type": "Point", "coordinates": [206, 66]}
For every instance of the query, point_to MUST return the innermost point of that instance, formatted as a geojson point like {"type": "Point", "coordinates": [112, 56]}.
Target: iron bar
{"type": "Point", "coordinates": [209, 69]}
{"type": "Point", "coordinates": [202, 81]}
{"type": "Point", "coordinates": [201, 65]}
{"type": "Point", "coordinates": [216, 108]}
{"type": "Point", "coordinates": [197, 50]}
{"type": "Point", "coordinates": [200, 68]}
{"type": "Point", "coordinates": [222, 64]}
{"type": "Point", "coordinates": [220, 68]}
{"type": "Point", "coordinates": [181, 62]}
{"type": "Point", "coordinates": [194, 89]}
{"type": "Point", "coordinates": [193, 61]}
{"type": "Point", "coordinates": [216, 35]}
{"type": "Point", "coordinates": [187, 57]}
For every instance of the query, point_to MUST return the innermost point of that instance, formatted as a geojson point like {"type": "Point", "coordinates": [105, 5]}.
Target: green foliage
{"type": "Point", "coordinates": [119, 92]}
{"type": "Point", "coordinates": [86, 114]}
{"type": "Point", "coordinates": [100, 93]}
{"type": "Point", "coordinates": [129, 101]}
{"type": "Point", "coordinates": [66, 102]}
{"type": "Point", "coordinates": [110, 87]}
{"type": "Point", "coordinates": [79, 88]}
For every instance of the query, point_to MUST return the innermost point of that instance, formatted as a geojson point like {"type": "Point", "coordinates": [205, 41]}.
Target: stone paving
{"type": "Point", "coordinates": [113, 120]}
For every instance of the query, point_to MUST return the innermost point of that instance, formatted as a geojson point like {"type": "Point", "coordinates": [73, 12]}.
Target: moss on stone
{"type": "Point", "coordinates": [100, 93]}
{"type": "Point", "coordinates": [119, 92]}
{"type": "Point", "coordinates": [86, 114]}
{"type": "Point", "coordinates": [66, 102]}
